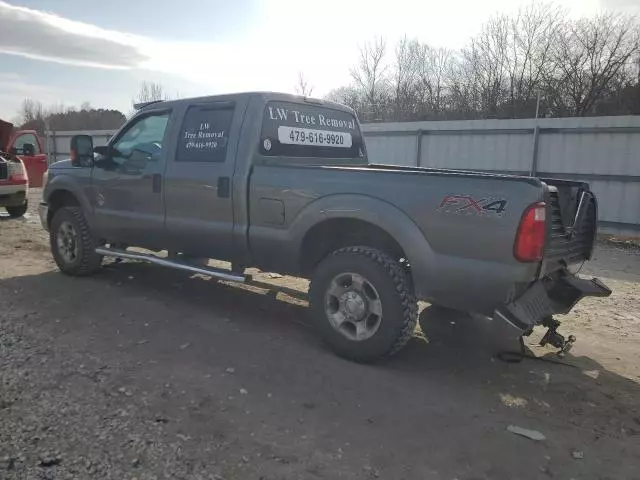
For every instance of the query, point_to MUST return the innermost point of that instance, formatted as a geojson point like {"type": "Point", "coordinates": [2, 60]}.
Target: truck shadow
{"type": "Point", "coordinates": [454, 351]}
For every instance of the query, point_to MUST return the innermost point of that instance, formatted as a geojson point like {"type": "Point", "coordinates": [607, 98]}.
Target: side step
{"type": "Point", "coordinates": [165, 262]}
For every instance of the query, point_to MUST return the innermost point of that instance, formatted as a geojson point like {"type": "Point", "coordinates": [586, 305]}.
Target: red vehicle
{"type": "Point", "coordinates": [28, 146]}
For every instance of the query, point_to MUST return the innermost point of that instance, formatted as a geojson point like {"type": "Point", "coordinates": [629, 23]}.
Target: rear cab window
{"type": "Point", "coordinates": [292, 129]}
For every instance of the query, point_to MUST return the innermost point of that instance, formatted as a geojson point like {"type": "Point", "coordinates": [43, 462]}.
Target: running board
{"type": "Point", "coordinates": [147, 257]}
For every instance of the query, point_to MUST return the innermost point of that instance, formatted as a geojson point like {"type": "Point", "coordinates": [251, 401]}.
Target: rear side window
{"type": "Point", "coordinates": [204, 135]}
{"type": "Point", "coordinates": [300, 130]}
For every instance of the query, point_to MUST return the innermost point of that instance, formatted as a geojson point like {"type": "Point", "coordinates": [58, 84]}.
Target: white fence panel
{"type": "Point", "coordinates": [602, 151]}
{"type": "Point", "coordinates": [58, 143]}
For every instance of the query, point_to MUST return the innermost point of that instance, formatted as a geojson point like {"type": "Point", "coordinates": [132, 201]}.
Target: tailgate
{"type": "Point", "coordinates": [572, 213]}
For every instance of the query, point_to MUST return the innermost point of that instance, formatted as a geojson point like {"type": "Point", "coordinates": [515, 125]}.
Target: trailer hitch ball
{"type": "Point", "coordinates": [556, 339]}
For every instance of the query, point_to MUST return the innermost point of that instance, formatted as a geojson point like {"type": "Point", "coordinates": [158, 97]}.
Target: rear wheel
{"type": "Point", "coordinates": [72, 244]}
{"type": "Point", "coordinates": [362, 304]}
{"type": "Point", "coordinates": [16, 212]}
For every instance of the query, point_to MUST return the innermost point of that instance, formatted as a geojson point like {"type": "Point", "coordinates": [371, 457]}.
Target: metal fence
{"type": "Point", "coordinates": [603, 151]}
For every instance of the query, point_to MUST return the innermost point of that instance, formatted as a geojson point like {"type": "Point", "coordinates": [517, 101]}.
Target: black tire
{"type": "Point", "coordinates": [86, 261]}
{"type": "Point", "coordinates": [399, 307]}
{"type": "Point", "coordinates": [17, 212]}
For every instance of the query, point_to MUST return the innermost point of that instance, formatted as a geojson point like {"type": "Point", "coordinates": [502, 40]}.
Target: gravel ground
{"type": "Point", "coordinates": [148, 373]}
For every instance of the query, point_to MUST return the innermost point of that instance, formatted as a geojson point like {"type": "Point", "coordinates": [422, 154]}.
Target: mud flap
{"type": "Point", "coordinates": [542, 301]}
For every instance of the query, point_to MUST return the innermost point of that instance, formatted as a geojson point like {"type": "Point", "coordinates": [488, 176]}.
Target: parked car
{"type": "Point", "coordinates": [282, 183]}
{"type": "Point", "coordinates": [14, 188]}
{"type": "Point", "coordinates": [28, 146]}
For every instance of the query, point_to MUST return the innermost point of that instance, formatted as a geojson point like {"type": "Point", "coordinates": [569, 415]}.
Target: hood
{"type": "Point", "coordinates": [5, 134]}
{"type": "Point", "coordinates": [61, 165]}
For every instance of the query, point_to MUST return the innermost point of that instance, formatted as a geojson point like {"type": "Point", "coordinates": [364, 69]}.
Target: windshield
{"type": "Point", "coordinates": [299, 130]}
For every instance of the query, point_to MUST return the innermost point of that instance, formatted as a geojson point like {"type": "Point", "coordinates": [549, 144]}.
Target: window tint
{"type": "Point", "coordinates": [300, 130]}
{"type": "Point", "coordinates": [205, 133]}
{"type": "Point", "coordinates": [26, 138]}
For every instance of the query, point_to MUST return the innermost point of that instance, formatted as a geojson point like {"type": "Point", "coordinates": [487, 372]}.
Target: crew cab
{"type": "Point", "coordinates": [282, 183]}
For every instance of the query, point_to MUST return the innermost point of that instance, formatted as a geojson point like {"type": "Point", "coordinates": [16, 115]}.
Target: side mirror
{"type": "Point", "coordinates": [81, 150]}
{"type": "Point", "coordinates": [28, 150]}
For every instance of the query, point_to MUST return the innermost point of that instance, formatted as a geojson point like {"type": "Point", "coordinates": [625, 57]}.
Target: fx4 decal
{"type": "Point", "coordinates": [466, 204]}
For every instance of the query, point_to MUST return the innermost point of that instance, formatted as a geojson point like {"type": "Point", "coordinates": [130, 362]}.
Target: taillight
{"type": "Point", "coordinates": [529, 246]}
{"type": "Point", "coordinates": [17, 173]}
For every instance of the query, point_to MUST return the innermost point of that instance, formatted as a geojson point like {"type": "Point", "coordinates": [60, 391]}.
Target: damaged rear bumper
{"type": "Point", "coordinates": [549, 297]}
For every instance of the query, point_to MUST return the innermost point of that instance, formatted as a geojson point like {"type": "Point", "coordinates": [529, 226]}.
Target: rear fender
{"type": "Point", "coordinates": [377, 212]}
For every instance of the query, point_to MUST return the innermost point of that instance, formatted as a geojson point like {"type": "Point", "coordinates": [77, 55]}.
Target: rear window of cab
{"type": "Point", "coordinates": [300, 130]}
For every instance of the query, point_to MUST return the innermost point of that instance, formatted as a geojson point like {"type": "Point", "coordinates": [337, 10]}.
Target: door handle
{"type": "Point", "coordinates": [156, 182]}
{"type": "Point", "coordinates": [224, 187]}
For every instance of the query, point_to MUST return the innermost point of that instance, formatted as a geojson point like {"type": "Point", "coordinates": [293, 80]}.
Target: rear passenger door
{"type": "Point", "coordinates": [199, 180]}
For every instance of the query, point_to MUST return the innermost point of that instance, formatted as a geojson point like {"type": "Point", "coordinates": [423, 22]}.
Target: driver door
{"type": "Point", "coordinates": [127, 183]}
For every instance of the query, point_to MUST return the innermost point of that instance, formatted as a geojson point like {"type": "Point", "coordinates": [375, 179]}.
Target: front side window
{"type": "Point", "coordinates": [143, 141]}
{"type": "Point", "coordinates": [316, 131]}
{"type": "Point", "coordinates": [27, 138]}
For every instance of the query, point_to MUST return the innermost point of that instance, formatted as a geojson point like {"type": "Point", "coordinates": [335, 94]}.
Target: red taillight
{"type": "Point", "coordinates": [529, 246]}
{"type": "Point", "coordinates": [17, 174]}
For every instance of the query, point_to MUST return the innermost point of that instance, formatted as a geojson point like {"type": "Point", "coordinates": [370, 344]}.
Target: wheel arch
{"type": "Point", "coordinates": [63, 192]}
{"type": "Point", "coordinates": [379, 225]}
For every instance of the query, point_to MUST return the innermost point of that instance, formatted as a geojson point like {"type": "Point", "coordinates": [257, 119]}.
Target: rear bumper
{"type": "Point", "coordinates": [548, 297]}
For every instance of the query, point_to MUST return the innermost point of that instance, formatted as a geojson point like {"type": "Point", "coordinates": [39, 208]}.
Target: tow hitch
{"type": "Point", "coordinates": [555, 339]}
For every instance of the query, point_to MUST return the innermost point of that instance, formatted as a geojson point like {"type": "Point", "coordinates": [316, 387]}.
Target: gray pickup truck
{"type": "Point", "coordinates": [282, 183]}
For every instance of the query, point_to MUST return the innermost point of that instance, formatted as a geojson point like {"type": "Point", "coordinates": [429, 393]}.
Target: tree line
{"type": "Point", "coordinates": [537, 61]}
{"type": "Point", "coordinates": [33, 115]}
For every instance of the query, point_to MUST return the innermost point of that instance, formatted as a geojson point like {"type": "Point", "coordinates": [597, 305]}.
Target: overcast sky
{"type": "Point", "coordinates": [70, 51]}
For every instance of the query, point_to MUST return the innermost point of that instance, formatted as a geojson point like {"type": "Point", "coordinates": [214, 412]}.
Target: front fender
{"type": "Point", "coordinates": [64, 182]}
{"type": "Point", "coordinates": [377, 212]}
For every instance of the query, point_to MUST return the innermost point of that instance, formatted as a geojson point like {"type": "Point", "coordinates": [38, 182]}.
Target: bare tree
{"type": "Point", "coordinates": [588, 55]}
{"type": "Point", "coordinates": [578, 67]}
{"type": "Point", "coordinates": [349, 96]}
{"type": "Point", "coordinates": [32, 115]}
{"type": "Point", "coordinates": [31, 110]}
{"type": "Point", "coordinates": [150, 92]}
{"type": "Point", "coordinates": [532, 32]}
{"type": "Point", "coordinates": [434, 73]}
{"type": "Point", "coordinates": [487, 59]}
{"type": "Point", "coordinates": [369, 75]}
{"type": "Point", "coordinates": [302, 87]}
{"type": "Point", "coordinates": [404, 77]}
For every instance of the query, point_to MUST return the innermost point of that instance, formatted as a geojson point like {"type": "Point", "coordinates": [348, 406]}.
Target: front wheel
{"type": "Point", "coordinates": [362, 304]}
{"type": "Point", "coordinates": [17, 212]}
{"type": "Point", "coordinates": [72, 244]}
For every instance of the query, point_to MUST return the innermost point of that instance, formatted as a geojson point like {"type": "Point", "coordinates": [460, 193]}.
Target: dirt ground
{"type": "Point", "coordinates": [148, 373]}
